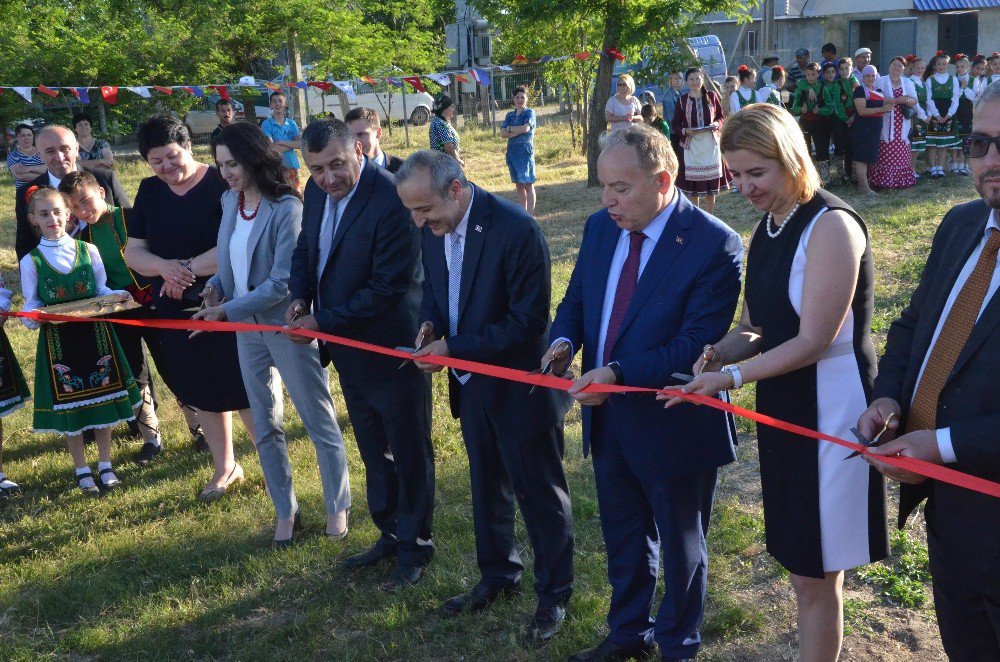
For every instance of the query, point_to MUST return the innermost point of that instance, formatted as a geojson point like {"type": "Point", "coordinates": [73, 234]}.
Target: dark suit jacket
{"type": "Point", "coordinates": [503, 307]}
{"type": "Point", "coordinates": [392, 163]}
{"type": "Point", "coordinates": [968, 404]}
{"type": "Point", "coordinates": [685, 299]}
{"type": "Point", "coordinates": [370, 286]}
{"type": "Point", "coordinates": [25, 240]}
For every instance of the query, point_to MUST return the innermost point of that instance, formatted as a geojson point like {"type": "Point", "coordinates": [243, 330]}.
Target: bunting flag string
{"type": "Point", "coordinates": [480, 75]}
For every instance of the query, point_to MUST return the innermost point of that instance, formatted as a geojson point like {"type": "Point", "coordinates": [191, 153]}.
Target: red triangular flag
{"type": "Point", "coordinates": [322, 84]}
{"type": "Point", "coordinates": [47, 90]}
{"type": "Point", "coordinates": [462, 78]}
{"type": "Point", "coordinates": [615, 53]}
{"type": "Point", "coordinates": [415, 82]}
{"type": "Point", "coordinates": [520, 59]}
{"type": "Point", "coordinates": [221, 89]}
{"type": "Point", "coordinates": [581, 56]}
{"type": "Point", "coordinates": [109, 93]}
{"type": "Point", "coordinates": [165, 90]}
{"type": "Point", "coordinates": [368, 79]}
{"type": "Point", "coordinates": [74, 91]}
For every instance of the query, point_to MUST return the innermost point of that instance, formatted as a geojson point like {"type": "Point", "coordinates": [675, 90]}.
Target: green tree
{"type": "Point", "coordinates": [653, 29]}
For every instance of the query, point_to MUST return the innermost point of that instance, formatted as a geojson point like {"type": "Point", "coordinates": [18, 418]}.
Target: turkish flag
{"type": "Point", "coordinates": [415, 82]}
{"type": "Point", "coordinates": [109, 93]}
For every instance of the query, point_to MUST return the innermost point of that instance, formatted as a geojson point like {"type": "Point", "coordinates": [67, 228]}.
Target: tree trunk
{"type": "Point", "coordinates": [614, 10]}
{"type": "Point", "coordinates": [298, 109]}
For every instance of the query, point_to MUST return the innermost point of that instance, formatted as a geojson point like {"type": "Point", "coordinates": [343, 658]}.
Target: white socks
{"type": "Point", "coordinates": [87, 482]}
{"type": "Point", "coordinates": [6, 483]}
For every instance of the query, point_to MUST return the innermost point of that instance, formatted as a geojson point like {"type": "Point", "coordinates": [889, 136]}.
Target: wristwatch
{"type": "Point", "coordinates": [734, 373]}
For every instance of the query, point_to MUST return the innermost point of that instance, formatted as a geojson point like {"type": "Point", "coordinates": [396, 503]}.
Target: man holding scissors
{"type": "Point", "coordinates": [486, 298]}
{"type": "Point", "coordinates": [938, 377]}
{"type": "Point", "coordinates": [357, 266]}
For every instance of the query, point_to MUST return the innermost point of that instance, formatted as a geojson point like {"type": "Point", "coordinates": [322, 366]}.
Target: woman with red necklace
{"type": "Point", "coordinates": [172, 234]}
{"type": "Point", "coordinates": [261, 220]}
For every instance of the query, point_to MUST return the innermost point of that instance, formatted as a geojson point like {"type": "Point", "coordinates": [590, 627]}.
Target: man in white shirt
{"type": "Point", "coordinates": [938, 379]}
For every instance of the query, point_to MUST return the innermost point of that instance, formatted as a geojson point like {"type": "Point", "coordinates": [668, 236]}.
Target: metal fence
{"type": "Point", "coordinates": [486, 107]}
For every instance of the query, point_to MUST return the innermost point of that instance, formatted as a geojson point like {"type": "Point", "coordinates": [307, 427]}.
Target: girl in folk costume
{"type": "Point", "coordinates": [942, 102]}
{"type": "Point", "coordinates": [980, 81]}
{"type": "Point", "coordinates": [745, 93]}
{"type": "Point", "coordinates": [918, 123]}
{"type": "Point", "coordinates": [82, 381]}
{"type": "Point", "coordinates": [992, 72]}
{"type": "Point", "coordinates": [962, 123]}
{"type": "Point", "coordinates": [698, 122]}
{"type": "Point", "coordinates": [894, 168]}
{"type": "Point", "coordinates": [14, 391]}
{"type": "Point", "coordinates": [771, 92]}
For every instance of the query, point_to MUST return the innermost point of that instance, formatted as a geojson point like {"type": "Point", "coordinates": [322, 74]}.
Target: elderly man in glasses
{"type": "Point", "coordinates": [938, 377]}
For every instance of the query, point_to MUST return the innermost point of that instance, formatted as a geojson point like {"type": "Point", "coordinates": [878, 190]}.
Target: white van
{"type": "Point", "coordinates": [418, 104]}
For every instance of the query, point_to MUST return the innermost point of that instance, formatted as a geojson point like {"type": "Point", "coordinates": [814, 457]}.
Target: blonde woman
{"type": "Point", "coordinates": [804, 338]}
{"type": "Point", "coordinates": [623, 109]}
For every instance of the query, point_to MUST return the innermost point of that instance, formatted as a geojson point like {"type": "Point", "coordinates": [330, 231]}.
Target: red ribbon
{"type": "Point", "coordinates": [935, 471]}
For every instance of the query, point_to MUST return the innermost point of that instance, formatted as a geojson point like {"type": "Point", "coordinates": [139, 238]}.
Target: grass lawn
{"type": "Point", "coordinates": [150, 572]}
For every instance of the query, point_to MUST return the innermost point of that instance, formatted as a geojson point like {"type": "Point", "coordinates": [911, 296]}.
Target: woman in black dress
{"type": "Point", "coordinates": [866, 131]}
{"type": "Point", "coordinates": [804, 337]}
{"type": "Point", "coordinates": [172, 235]}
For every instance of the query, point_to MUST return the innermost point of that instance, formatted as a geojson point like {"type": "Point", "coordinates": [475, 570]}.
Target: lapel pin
{"type": "Point", "coordinates": [679, 239]}
{"type": "Point", "coordinates": [479, 228]}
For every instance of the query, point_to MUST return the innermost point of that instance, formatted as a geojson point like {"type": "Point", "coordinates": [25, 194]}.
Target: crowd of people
{"type": "Point", "coordinates": [410, 253]}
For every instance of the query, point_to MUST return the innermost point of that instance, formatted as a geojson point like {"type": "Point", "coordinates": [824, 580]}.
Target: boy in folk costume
{"type": "Point", "coordinates": [82, 381]}
{"type": "Point", "coordinates": [771, 92]}
{"type": "Point", "coordinates": [942, 102]}
{"type": "Point", "coordinates": [805, 104]}
{"type": "Point", "coordinates": [106, 228]}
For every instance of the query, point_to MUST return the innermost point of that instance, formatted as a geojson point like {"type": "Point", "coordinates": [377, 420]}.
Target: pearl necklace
{"type": "Point", "coordinates": [243, 214]}
{"type": "Point", "coordinates": [770, 218]}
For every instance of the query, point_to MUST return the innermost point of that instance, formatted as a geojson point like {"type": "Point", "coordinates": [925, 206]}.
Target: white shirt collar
{"type": "Point", "coordinates": [463, 226]}
{"type": "Point", "coordinates": [380, 158]}
{"type": "Point", "coordinates": [993, 223]}
{"type": "Point", "coordinates": [52, 243]}
{"type": "Point", "coordinates": [659, 222]}
{"type": "Point", "coordinates": [54, 182]}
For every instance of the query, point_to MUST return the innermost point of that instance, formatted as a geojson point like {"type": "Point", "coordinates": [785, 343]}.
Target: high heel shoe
{"type": "Point", "coordinates": [296, 531]}
{"type": "Point", "coordinates": [215, 493]}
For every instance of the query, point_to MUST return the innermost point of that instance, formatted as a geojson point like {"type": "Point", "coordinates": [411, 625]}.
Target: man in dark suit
{"type": "Point", "coordinates": [656, 279]}
{"type": "Point", "coordinates": [357, 265]}
{"type": "Point", "coordinates": [59, 149]}
{"type": "Point", "coordinates": [937, 377]}
{"type": "Point", "coordinates": [486, 298]}
{"type": "Point", "coordinates": [367, 129]}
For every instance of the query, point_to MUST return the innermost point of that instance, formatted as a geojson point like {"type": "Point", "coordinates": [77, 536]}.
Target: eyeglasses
{"type": "Point", "coordinates": [978, 144]}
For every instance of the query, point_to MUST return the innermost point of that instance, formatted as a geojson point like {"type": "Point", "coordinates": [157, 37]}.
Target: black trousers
{"type": "Point", "coordinates": [392, 425]}
{"type": "Point", "coordinates": [821, 131]}
{"type": "Point", "coordinates": [525, 467]}
{"type": "Point", "coordinates": [967, 602]}
{"type": "Point", "coordinates": [842, 145]}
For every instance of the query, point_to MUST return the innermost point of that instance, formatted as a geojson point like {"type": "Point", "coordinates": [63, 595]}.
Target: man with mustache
{"type": "Point", "coordinates": [941, 360]}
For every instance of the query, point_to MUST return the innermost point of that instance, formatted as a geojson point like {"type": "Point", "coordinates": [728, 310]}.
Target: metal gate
{"type": "Point", "coordinates": [899, 37]}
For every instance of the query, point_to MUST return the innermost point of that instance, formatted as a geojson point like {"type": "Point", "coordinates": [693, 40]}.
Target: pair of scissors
{"type": "Point", "coordinates": [423, 337]}
{"type": "Point", "coordinates": [874, 443]}
{"type": "Point", "coordinates": [560, 353]}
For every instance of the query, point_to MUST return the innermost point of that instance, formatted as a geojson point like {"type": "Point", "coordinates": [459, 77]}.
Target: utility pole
{"type": "Point", "coordinates": [298, 96]}
{"type": "Point", "coordinates": [768, 37]}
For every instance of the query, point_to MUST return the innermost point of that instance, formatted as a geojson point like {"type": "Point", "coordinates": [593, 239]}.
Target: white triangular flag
{"type": "Point", "coordinates": [141, 91]}
{"type": "Point", "coordinates": [24, 92]}
{"type": "Point", "coordinates": [444, 80]}
{"type": "Point", "coordinates": [348, 89]}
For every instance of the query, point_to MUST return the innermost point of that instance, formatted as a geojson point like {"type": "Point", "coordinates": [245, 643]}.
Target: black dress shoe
{"type": "Point", "coordinates": [198, 437]}
{"type": "Point", "coordinates": [403, 576]}
{"type": "Point", "coordinates": [91, 491]}
{"type": "Point", "coordinates": [609, 651]}
{"type": "Point", "coordinates": [544, 625]}
{"type": "Point", "coordinates": [107, 481]}
{"type": "Point", "coordinates": [479, 598]}
{"type": "Point", "coordinates": [146, 454]}
{"type": "Point", "coordinates": [384, 548]}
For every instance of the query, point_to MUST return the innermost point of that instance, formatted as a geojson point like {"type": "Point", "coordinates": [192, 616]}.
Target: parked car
{"type": "Point", "coordinates": [710, 52]}
{"type": "Point", "coordinates": [418, 104]}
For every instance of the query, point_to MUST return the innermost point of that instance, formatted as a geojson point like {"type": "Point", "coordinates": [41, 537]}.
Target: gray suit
{"type": "Point", "coordinates": [269, 250]}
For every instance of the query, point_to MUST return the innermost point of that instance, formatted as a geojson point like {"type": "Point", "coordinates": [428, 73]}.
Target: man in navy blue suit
{"type": "Point", "coordinates": [356, 272]}
{"type": "Point", "coordinates": [656, 279]}
{"type": "Point", "coordinates": [487, 291]}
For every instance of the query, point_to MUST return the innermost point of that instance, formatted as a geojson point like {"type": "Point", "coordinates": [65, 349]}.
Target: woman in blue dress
{"type": "Point", "coordinates": [519, 130]}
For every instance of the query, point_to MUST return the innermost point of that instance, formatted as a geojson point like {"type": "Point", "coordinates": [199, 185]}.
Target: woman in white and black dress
{"type": "Point", "coordinates": [807, 344]}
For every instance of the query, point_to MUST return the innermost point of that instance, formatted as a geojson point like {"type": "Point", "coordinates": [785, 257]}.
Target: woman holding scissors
{"type": "Point", "coordinates": [261, 219]}
{"type": "Point", "coordinates": [804, 337]}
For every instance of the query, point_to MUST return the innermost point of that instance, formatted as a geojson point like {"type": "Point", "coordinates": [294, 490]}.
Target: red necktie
{"type": "Point", "coordinates": [623, 293]}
